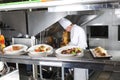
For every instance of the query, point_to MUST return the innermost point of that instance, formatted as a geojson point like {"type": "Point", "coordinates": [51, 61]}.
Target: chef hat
{"type": "Point", "coordinates": [65, 23]}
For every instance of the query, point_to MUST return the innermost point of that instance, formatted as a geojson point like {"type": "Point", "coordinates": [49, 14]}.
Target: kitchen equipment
{"type": "Point", "coordinates": [26, 41]}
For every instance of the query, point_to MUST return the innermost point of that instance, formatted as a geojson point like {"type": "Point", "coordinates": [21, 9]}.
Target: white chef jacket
{"type": "Point", "coordinates": [78, 37]}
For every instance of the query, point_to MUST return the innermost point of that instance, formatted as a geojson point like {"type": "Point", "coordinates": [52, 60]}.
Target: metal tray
{"type": "Point", "coordinates": [100, 57]}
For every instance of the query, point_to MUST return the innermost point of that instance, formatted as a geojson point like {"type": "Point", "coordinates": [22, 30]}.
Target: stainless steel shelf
{"type": "Point", "coordinates": [34, 5]}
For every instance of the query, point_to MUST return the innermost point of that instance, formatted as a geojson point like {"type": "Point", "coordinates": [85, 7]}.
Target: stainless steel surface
{"type": "Point", "coordinates": [41, 77]}
{"type": "Point", "coordinates": [51, 3]}
{"type": "Point", "coordinates": [83, 17]}
{"type": "Point", "coordinates": [35, 71]}
{"type": "Point", "coordinates": [40, 20]}
{"type": "Point", "coordinates": [57, 64]}
{"type": "Point", "coordinates": [108, 17]}
{"type": "Point", "coordinates": [26, 41]}
{"type": "Point", "coordinates": [15, 20]}
{"type": "Point", "coordinates": [62, 70]}
{"type": "Point", "coordinates": [87, 61]}
{"type": "Point", "coordinates": [16, 65]}
{"type": "Point", "coordinates": [80, 74]}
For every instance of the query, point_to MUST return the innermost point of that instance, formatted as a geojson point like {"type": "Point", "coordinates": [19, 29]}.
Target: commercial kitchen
{"type": "Point", "coordinates": [34, 24]}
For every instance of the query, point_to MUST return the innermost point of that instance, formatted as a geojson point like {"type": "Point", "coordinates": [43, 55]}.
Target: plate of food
{"type": "Point", "coordinates": [15, 49]}
{"type": "Point", "coordinates": [69, 51]}
{"type": "Point", "coordinates": [40, 50]}
{"type": "Point", "coordinates": [100, 52]}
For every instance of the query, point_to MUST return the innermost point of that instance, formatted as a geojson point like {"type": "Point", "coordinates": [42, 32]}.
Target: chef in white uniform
{"type": "Point", "coordinates": [77, 38]}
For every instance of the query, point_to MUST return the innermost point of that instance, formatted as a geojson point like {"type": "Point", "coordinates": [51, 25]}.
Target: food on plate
{"type": "Point", "coordinates": [42, 48]}
{"type": "Point", "coordinates": [71, 51]}
{"type": "Point", "coordinates": [14, 48]}
{"type": "Point", "coordinates": [99, 52]}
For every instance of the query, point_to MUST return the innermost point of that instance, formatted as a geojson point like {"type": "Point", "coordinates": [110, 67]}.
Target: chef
{"type": "Point", "coordinates": [77, 33]}
{"type": "Point", "coordinates": [77, 38]}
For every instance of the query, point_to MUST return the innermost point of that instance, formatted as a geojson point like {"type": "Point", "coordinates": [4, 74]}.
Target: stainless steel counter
{"type": "Point", "coordinates": [87, 61]}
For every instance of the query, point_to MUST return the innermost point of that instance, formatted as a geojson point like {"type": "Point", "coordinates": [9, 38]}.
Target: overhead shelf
{"type": "Point", "coordinates": [36, 4]}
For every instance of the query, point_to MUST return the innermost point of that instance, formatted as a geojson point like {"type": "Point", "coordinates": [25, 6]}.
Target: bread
{"type": "Point", "coordinates": [99, 51]}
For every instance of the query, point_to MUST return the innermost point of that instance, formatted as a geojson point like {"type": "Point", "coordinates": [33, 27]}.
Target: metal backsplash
{"type": "Point", "coordinates": [112, 20]}
{"type": "Point", "coordinates": [44, 24]}
{"type": "Point", "coordinates": [40, 20]}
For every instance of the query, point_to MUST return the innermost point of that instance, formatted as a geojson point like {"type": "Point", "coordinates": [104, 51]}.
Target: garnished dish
{"type": "Point", "coordinates": [73, 50]}
{"type": "Point", "coordinates": [100, 52]}
{"type": "Point", "coordinates": [69, 51]}
{"type": "Point", "coordinates": [40, 50]}
{"type": "Point", "coordinates": [15, 49]}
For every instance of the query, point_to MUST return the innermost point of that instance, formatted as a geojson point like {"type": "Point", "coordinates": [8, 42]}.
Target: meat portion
{"type": "Point", "coordinates": [71, 51]}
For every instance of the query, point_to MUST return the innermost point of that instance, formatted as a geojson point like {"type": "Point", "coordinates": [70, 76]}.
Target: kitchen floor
{"type": "Point", "coordinates": [105, 75]}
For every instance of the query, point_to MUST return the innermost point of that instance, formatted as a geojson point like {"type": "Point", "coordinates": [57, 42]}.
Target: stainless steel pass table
{"type": "Point", "coordinates": [87, 61]}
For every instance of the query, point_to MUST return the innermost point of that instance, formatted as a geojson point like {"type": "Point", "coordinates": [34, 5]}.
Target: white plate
{"type": "Point", "coordinates": [59, 50]}
{"type": "Point", "coordinates": [93, 53]}
{"type": "Point", "coordinates": [7, 50]}
{"type": "Point", "coordinates": [32, 52]}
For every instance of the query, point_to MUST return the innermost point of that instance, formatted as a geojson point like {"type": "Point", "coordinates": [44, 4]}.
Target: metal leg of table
{"type": "Point", "coordinates": [35, 72]}
{"type": "Point", "coordinates": [41, 77]}
{"type": "Point", "coordinates": [16, 65]}
{"type": "Point", "coordinates": [62, 70]}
